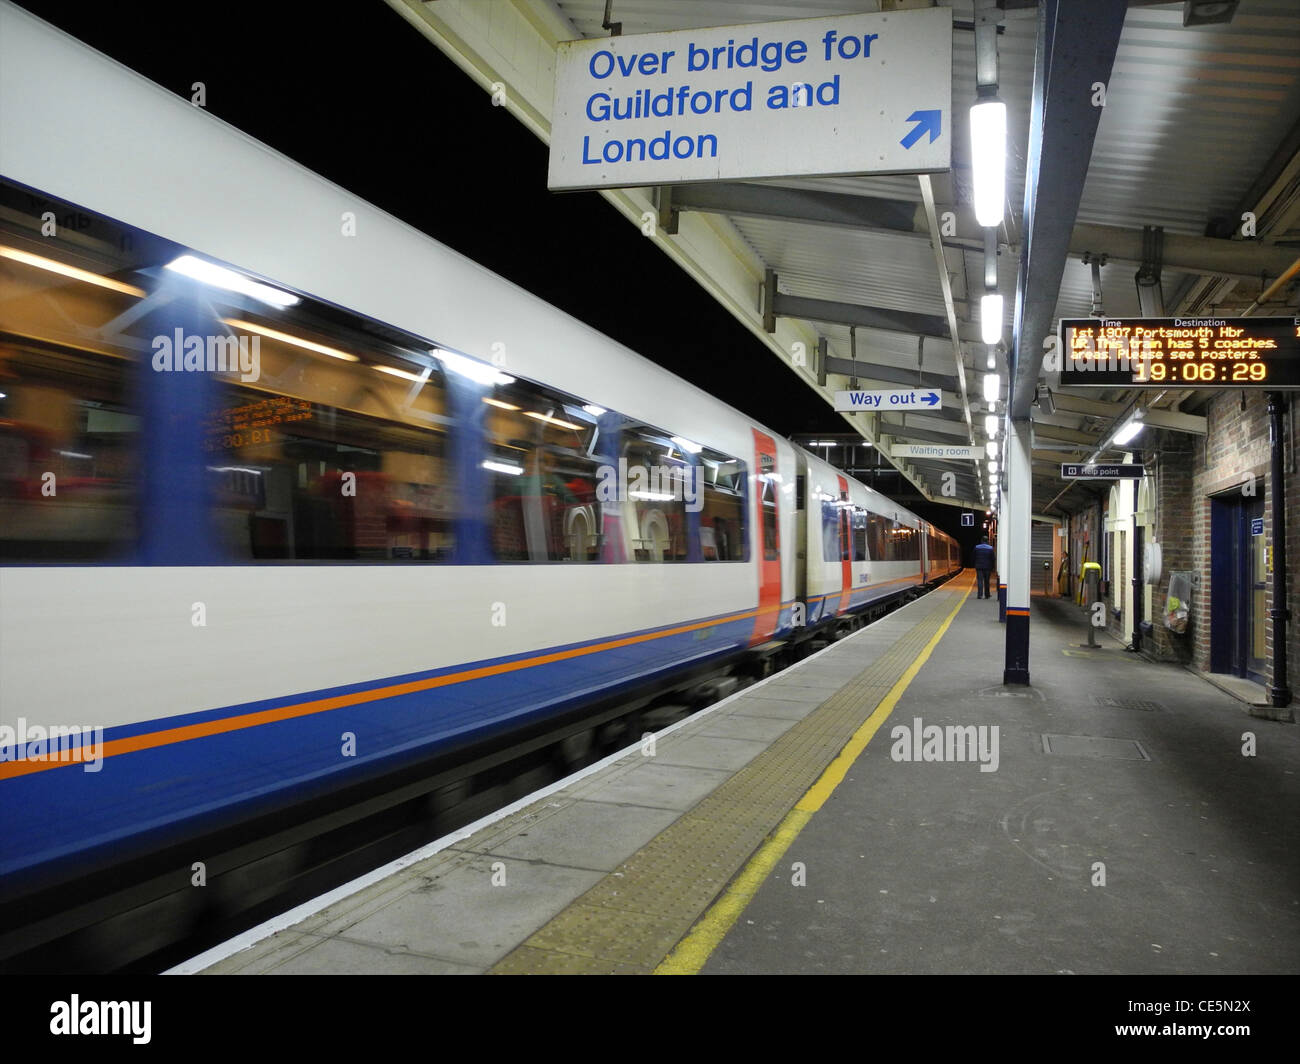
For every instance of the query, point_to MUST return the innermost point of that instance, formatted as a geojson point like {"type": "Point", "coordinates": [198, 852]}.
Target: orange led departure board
{"type": "Point", "coordinates": [1180, 352]}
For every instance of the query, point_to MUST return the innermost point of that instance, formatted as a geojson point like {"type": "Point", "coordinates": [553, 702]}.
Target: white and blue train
{"type": "Point", "coordinates": [291, 496]}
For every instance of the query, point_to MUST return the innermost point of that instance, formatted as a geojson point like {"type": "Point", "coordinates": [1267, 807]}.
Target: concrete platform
{"type": "Point", "coordinates": [938, 867]}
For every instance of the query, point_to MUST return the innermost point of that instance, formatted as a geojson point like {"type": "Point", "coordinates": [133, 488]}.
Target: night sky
{"type": "Point", "coordinates": [356, 94]}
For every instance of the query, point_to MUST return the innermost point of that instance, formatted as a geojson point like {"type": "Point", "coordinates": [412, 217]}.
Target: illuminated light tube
{"type": "Point", "coordinates": [286, 338]}
{"type": "Point", "coordinates": [988, 147]}
{"type": "Point", "coordinates": [552, 420]}
{"type": "Point", "coordinates": [991, 425]}
{"type": "Point", "coordinates": [404, 374]}
{"type": "Point", "coordinates": [993, 466]}
{"type": "Point", "coordinates": [497, 402]}
{"type": "Point", "coordinates": [594, 410]}
{"type": "Point", "coordinates": [479, 372]}
{"type": "Point", "coordinates": [687, 445]}
{"type": "Point", "coordinates": [503, 467]}
{"type": "Point", "coordinates": [991, 317]}
{"type": "Point", "coordinates": [42, 263]}
{"type": "Point", "coordinates": [992, 387]}
{"type": "Point", "coordinates": [650, 496]}
{"type": "Point", "coordinates": [210, 273]}
{"type": "Point", "coordinates": [1129, 432]}
{"type": "Point", "coordinates": [991, 449]}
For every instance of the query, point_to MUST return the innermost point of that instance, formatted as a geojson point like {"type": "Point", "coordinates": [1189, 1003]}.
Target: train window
{"type": "Point", "coordinates": [859, 534]}
{"type": "Point", "coordinates": [722, 513]}
{"type": "Point", "coordinates": [337, 451]}
{"type": "Point", "coordinates": [830, 527]}
{"type": "Point", "coordinates": [69, 352]}
{"type": "Point", "coordinates": [879, 541]}
{"type": "Point", "coordinates": [545, 472]}
{"type": "Point", "coordinates": [906, 543]}
{"type": "Point", "coordinates": [659, 468]}
{"type": "Point", "coordinates": [767, 486]}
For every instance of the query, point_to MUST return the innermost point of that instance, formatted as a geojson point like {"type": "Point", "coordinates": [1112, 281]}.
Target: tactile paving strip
{"type": "Point", "coordinates": [632, 919]}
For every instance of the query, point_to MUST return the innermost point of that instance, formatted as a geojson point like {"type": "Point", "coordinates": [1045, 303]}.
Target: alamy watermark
{"type": "Point", "coordinates": [949, 743]}
{"type": "Point", "coordinates": [70, 744]}
{"type": "Point", "coordinates": [208, 353]}
{"type": "Point", "coordinates": [658, 483]}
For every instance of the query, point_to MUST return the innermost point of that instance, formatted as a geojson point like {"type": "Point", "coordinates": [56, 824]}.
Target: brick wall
{"type": "Point", "coordinates": [1189, 470]}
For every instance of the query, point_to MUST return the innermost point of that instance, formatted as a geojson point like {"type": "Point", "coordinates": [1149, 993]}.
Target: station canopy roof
{"type": "Point", "coordinates": [1199, 127]}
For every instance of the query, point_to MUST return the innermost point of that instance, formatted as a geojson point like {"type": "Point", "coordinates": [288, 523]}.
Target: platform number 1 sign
{"type": "Point", "coordinates": [968, 520]}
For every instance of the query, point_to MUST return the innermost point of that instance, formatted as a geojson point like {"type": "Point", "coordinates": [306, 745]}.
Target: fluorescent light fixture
{"type": "Point", "coordinates": [988, 148]}
{"type": "Point", "coordinates": [478, 372]}
{"type": "Point", "coordinates": [497, 402]}
{"type": "Point", "coordinates": [405, 375]}
{"type": "Point", "coordinates": [286, 338]}
{"type": "Point", "coordinates": [594, 410]}
{"type": "Point", "coordinates": [991, 425]}
{"type": "Point", "coordinates": [1128, 431]}
{"type": "Point", "coordinates": [552, 420]}
{"type": "Point", "coordinates": [991, 317]}
{"type": "Point", "coordinates": [42, 263]}
{"type": "Point", "coordinates": [687, 445]}
{"type": "Point", "coordinates": [993, 466]}
{"type": "Point", "coordinates": [991, 449]}
{"type": "Point", "coordinates": [503, 467]}
{"type": "Point", "coordinates": [650, 496]}
{"type": "Point", "coordinates": [210, 273]}
{"type": "Point", "coordinates": [992, 387]}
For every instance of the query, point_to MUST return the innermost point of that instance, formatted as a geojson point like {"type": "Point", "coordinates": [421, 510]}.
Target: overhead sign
{"type": "Point", "coordinates": [968, 520]}
{"type": "Point", "coordinates": [1180, 352]}
{"type": "Point", "coordinates": [1129, 471]}
{"type": "Point", "coordinates": [849, 94]}
{"type": "Point", "coordinates": [952, 452]}
{"type": "Point", "coordinates": [1256, 526]}
{"type": "Point", "coordinates": [890, 399]}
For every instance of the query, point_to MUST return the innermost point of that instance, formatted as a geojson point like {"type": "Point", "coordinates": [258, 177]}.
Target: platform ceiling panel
{"type": "Point", "coordinates": [852, 266]}
{"type": "Point", "coordinates": [1195, 115]}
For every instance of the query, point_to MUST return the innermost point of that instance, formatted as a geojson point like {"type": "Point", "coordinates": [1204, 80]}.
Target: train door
{"type": "Point", "coordinates": [1238, 569]}
{"type": "Point", "coordinates": [768, 562]}
{"type": "Point", "coordinates": [846, 546]}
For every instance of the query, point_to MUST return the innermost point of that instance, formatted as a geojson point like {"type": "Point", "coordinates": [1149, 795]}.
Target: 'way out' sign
{"type": "Point", "coordinates": [890, 399]}
{"type": "Point", "coordinates": [849, 94]}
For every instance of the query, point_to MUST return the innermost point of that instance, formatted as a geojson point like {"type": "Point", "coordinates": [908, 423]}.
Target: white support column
{"type": "Point", "coordinates": [1016, 536]}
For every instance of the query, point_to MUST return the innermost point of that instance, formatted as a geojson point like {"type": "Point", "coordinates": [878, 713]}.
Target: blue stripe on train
{"type": "Point", "coordinates": [154, 797]}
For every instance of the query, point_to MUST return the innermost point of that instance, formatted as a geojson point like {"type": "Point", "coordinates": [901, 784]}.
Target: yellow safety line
{"type": "Point", "coordinates": [695, 949]}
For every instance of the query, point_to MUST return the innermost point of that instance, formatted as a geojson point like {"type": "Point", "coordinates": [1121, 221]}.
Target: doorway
{"type": "Point", "coordinates": [1238, 570]}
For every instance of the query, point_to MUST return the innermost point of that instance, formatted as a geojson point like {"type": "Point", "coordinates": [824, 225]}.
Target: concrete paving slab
{"type": "Point", "coordinates": [661, 786]}
{"type": "Point", "coordinates": [467, 918]}
{"type": "Point", "coordinates": [745, 726]}
{"type": "Point", "coordinates": [341, 956]}
{"type": "Point", "coordinates": [702, 751]}
{"type": "Point", "coordinates": [588, 834]}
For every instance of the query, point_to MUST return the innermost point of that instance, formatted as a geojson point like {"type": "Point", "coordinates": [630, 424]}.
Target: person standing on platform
{"type": "Point", "coordinates": [984, 555]}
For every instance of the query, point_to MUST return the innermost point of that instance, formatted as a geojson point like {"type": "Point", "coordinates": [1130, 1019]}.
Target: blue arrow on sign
{"type": "Point", "coordinates": [926, 120]}
{"type": "Point", "coordinates": [930, 399]}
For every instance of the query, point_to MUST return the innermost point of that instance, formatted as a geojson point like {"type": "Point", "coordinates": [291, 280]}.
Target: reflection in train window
{"type": "Point", "coordinates": [544, 473]}
{"type": "Point", "coordinates": [859, 534]}
{"type": "Point", "coordinates": [722, 517]}
{"type": "Point", "coordinates": [69, 426]}
{"type": "Point", "coordinates": [659, 478]}
{"type": "Point", "coordinates": [334, 453]}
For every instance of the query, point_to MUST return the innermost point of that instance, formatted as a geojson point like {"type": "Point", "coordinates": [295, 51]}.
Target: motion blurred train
{"type": "Point", "coordinates": [293, 498]}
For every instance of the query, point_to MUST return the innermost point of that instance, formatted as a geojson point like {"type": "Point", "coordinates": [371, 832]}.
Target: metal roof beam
{"type": "Point", "coordinates": [1205, 255]}
{"type": "Point", "coordinates": [796, 205]}
{"type": "Point", "coordinates": [832, 311]}
{"type": "Point", "coordinates": [891, 374]}
{"type": "Point", "coordinates": [1076, 51]}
